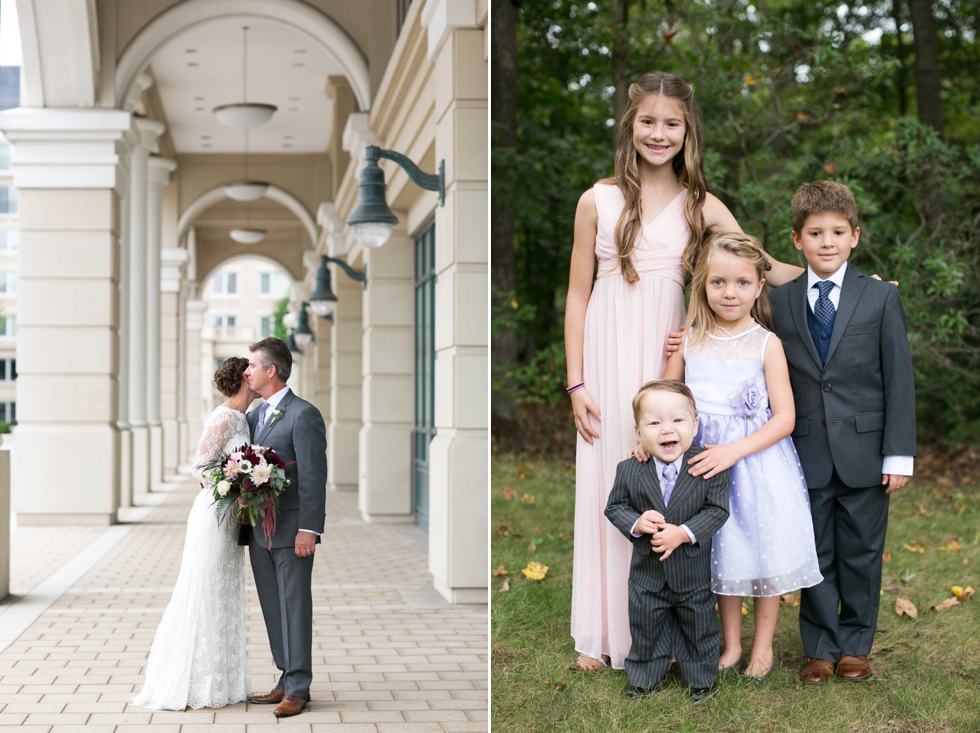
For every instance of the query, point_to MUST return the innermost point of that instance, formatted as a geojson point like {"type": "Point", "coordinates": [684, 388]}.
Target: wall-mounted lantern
{"type": "Point", "coordinates": [323, 301]}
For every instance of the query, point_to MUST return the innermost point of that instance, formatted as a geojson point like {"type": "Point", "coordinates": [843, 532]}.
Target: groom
{"type": "Point", "coordinates": [294, 429]}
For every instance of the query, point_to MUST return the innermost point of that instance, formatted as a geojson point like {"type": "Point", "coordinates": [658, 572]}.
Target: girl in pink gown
{"type": "Point", "coordinates": [643, 227]}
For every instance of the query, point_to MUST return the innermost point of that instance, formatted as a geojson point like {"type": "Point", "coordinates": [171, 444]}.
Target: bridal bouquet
{"type": "Point", "coordinates": [247, 484]}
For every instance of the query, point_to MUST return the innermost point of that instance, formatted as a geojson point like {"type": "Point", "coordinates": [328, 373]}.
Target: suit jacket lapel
{"type": "Point", "coordinates": [283, 404]}
{"type": "Point", "coordinates": [850, 294]}
{"type": "Point", "coordinates": [800, 305]}
{"type": "Point", "coordinates": [651, 485]}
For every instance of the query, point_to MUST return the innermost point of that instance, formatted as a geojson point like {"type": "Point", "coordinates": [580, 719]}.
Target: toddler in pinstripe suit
{"type": "Point", "coordinates": [670, 517]}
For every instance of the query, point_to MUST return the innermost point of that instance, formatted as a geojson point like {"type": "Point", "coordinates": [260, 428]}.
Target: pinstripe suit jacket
{"type": "Point", "coordinates": [699, 503]}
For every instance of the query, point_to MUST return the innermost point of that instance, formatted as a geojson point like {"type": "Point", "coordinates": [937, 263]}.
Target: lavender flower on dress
{"type": "Point", "coordinates": [749, 400]}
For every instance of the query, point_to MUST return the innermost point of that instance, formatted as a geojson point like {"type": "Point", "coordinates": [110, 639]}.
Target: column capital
{"type": "Point", "coordinates": [195, 314]}
{"type": "Point", "coordinates": [64, 148]}
{"type": "Point", "coordinates": [147, 131]}
{"type": "Point", "coordinates": [358, 135]}
{"type": "Point", "coordinates": [160, 169]}
{"type": "Point", "coordinates": [333, 228]}
{"type": "Point", "coordinates": [172, 261]}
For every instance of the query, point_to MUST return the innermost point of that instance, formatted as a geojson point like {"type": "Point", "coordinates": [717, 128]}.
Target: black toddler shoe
{"type": "Point", "coordinates": [634, 691]}
{"type": "Point", "coordinates": [699, 694]}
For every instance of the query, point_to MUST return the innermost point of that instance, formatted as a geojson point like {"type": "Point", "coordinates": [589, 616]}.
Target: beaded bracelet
{"type": "Point", "coordinates": [575, 387]}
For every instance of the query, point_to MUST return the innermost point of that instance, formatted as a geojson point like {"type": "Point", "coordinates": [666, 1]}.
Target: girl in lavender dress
{"type": "Point", "coordinates": [737, 371]}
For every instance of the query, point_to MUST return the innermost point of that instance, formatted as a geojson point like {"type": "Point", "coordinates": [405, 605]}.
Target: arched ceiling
{"type": "Point", "coordinates": [201, 68]}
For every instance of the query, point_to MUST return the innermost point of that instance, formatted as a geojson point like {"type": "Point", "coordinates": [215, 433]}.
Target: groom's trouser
{"type": "Point", "coordinates": [839, 615]}
{"type": "Point", "coordinates": [283, 582]}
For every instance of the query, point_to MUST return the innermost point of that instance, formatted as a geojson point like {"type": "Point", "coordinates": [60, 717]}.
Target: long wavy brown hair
{"type": "Point", "coordinates": [700, 317]}
{"type": "Point", "coordinates": [688, 165]}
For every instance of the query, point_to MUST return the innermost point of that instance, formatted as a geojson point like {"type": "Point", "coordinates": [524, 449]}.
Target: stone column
{"type": "Point", "coordinates": [66, 170]}
{"type": "Point", "coordinates": [459, 467]}
{"type": "Point", "coordinates": [345, 385]}
{"type": "Point", "coordinates": [146, 131]}
{"type": "Point", "coordinates": [158, 175]}
{"type": "Point", "coordinates": [192, 380]}
{"type": "Point", "coordinates": [385, 477]}
{"type": "Point", "coordinates": [122, 384]}
{"type": "Point", "coordinates": [172, 260]}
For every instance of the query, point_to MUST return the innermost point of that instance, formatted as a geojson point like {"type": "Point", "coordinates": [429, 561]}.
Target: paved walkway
{"type": "Point", "coordinates": [389, 654]}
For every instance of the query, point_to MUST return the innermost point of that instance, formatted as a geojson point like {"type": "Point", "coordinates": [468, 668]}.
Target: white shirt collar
{"type": "Point", "coordinates": [837, 278]}
{"type": "Point", "coordinates": [277, 398]}
{"type": "Point", "coordinates": [678, 464]}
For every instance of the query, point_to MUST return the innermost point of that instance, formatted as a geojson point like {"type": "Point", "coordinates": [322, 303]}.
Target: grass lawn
{"type": "Point", "coordinates": [926, 670]}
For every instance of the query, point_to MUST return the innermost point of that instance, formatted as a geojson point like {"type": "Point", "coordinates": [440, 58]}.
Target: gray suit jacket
{"type": "Point", "coordinates": [300, 436]}
{"type": "Point", "coordinates": [860, 405]}
{"type": "Point", "coordinates": [699, 503]}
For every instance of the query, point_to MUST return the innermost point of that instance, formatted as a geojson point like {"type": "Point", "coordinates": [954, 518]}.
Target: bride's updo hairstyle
{"type": "Point", "coordinates": [228, 378]}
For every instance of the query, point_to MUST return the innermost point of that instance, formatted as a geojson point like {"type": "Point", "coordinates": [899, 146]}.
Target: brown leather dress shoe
{"type": "Point", "coordinates": [817, 671]}
{"type": "Point", "coordinates": [853, 669]}
{"type": "Point", "coordinates": [290, 705]}
{"type": "Point", "coordinates": [270, 698]}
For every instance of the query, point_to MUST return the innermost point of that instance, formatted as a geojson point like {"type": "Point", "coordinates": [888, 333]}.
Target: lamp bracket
{"type": "Point", "coordinates": [429, 181]}
{"type": "Point", "coordinates": [353, 274]}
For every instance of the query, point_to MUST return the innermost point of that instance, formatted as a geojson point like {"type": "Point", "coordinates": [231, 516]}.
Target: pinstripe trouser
{"type": "Point", "coordinates": [666, 625]}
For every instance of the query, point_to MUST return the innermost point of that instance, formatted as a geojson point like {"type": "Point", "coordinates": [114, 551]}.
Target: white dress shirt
{"type": "Point", "coordinates": [273, 403]}
{"type": "Point", "coordinates": [897, 465]}
{"type": "Point", "coordinates": [679, 465]}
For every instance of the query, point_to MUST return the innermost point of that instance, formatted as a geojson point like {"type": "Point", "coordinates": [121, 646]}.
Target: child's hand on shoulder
{"type": "Point", "coordinates": [668, 539]}
{"type": "Point", "coordinates": [714, 459]}
{"type": "Point", "coordinates": [649, 522]}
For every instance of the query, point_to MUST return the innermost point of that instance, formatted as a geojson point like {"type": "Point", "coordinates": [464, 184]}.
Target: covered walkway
{"type": "Point", "coordinates": [390, 654]}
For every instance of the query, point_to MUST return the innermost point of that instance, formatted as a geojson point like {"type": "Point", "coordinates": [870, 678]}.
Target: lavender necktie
{"type": "Point", "coordinates": [823, 309]}
{"type": "Point", "coordinates": [263, 411]}
{"type": "Point", "coordinates": [670, 476]}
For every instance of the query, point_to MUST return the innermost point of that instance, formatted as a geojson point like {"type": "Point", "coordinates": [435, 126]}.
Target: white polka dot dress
{"type": "Point", "coordinates": [766, 547]}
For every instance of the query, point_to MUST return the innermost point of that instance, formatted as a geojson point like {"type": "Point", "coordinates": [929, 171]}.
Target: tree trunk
{"type": "Point", "coordinates": [928, 76]}
{"type": "Point", "coordinates": [620, 64]}
{"type": "Point", "coordinates": [503, 275]}
{"type": "Point", "coordinates": [901, 75]}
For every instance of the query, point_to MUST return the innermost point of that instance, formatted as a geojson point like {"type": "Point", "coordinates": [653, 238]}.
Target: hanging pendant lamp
{"type": "Point", "coordinates": [246, 189]}
{"type": "Point", "coordinates": [244, 114]}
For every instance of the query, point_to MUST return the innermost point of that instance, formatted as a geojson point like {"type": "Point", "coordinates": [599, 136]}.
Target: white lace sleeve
{"type": "Point", "coordinates": [218, 430]}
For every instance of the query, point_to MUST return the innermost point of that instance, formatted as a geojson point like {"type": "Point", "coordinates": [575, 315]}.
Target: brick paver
{"type": "Point", "coordinates": [389, 654]}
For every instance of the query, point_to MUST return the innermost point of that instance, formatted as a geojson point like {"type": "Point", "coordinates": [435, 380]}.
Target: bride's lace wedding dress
{"type": "Point", "coordinates": [198, 655]}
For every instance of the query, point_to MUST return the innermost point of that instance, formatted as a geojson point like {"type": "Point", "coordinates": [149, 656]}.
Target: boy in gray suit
{"type": "Point", "coordinates": [670, 517]}
{"type": "Point", "coordinates": [851, 371]}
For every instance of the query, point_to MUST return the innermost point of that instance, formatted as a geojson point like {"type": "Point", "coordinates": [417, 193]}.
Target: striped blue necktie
{"type": "Point", "coordinates": [670, 476]}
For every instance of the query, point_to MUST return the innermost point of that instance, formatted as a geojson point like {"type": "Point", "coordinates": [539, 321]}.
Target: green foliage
{"type": "Point", "coordinates": [789, 92]}
{"type": "Point", "coordinates": [282, 308]}
{"type": "Point", "coordinates": [4, 426]}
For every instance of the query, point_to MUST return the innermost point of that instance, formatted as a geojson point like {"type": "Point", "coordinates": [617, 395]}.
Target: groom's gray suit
{"type": "Point", "coordinates": [282, 579]}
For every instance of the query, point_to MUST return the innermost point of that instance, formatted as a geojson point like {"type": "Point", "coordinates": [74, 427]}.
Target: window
{"type": "Point", "coordinates": [9, 240]}
{"type": "Point", "coordinates": [4, 156]}
{"type": "Point", "coordinates": [8, 412]}
{"type": "Point", "coordinates": [8, 282]}
{"type": "Point", "coordinates": [8, 370]}
{"type": "Point", "coordinates": [273, 284]}
{"type": "Point", "coordinates": [225, 283]}
{"type": "Point", "coordinates": [267, 326]}
{"type": "Point", "coordinates": [8, 200]}
{"type": "Point", "coordinates": [8, 326]}
{"type": "Point", "coordinates": [218, 362]}
{"type": "Point", "coordinates": [224, 326]}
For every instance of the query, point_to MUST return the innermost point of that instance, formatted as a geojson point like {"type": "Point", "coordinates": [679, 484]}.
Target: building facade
{"type": "Point", "coordinates": [122, 172]}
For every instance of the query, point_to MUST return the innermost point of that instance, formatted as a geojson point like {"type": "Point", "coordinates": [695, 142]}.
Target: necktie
{"type": "Point", "coordinates": [824, 309]}
{"type": "Point", "coordinates": [670, 476]}
{"type": "Point", "coordinates": [263, 411]}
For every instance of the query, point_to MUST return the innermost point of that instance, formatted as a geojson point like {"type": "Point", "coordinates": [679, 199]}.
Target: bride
{"type": "Point", "coordinates": [198, 655]}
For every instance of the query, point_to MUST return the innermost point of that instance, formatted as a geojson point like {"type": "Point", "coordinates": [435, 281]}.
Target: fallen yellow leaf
{"type": "Point", "coordinates": [914, 546]}
{"type": "Point", "coordinates": [801, 117]}
{"type": "Point", "coordinates": [501, 571]}
{"type": "Point", "coordinates": [886, 557]}
{"type": "Point", "coordinates": [506, 586]}
{"type": "Point", "coordinates": [966, 561]}
{"type": "Point", "coordinates": [964, 594]}
{"type": "Point", "coordinates": [535, 570]}
{"type": "Point", "coordinates": [556, 685]}
{"type": "Point", "coordinates": [788, 599]}
{"type": "Point", "coordinates": [508, 493]}
{"type": "Point", "coordinates": [527, 499]}
{"type": "Point", "coordinates": [750, 81]}
{"type": "Point", "coordinates": [905, 607]}
{"type": "Point", "coordinates": [949, 602]}
{"type": "Point", "coordinates": [745, 609]}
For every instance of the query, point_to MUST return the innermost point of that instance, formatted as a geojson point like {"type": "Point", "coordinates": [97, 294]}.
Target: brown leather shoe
{"type": "Point", "coordinates": [853, 669]}
{"type": "Point", "coordinates": [290, 705]}
{"type": "Point", "coordinates": [817, 671]}
{"type": "Point", "coordinates": [271, 698]}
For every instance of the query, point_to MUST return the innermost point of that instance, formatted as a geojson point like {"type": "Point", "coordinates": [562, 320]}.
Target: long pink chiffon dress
{"type": "Point", "coordinates": [626, 329]}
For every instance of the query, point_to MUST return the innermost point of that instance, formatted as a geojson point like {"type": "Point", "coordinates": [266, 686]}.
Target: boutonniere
{"type": "Point", "coordinates": [276, 414]}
